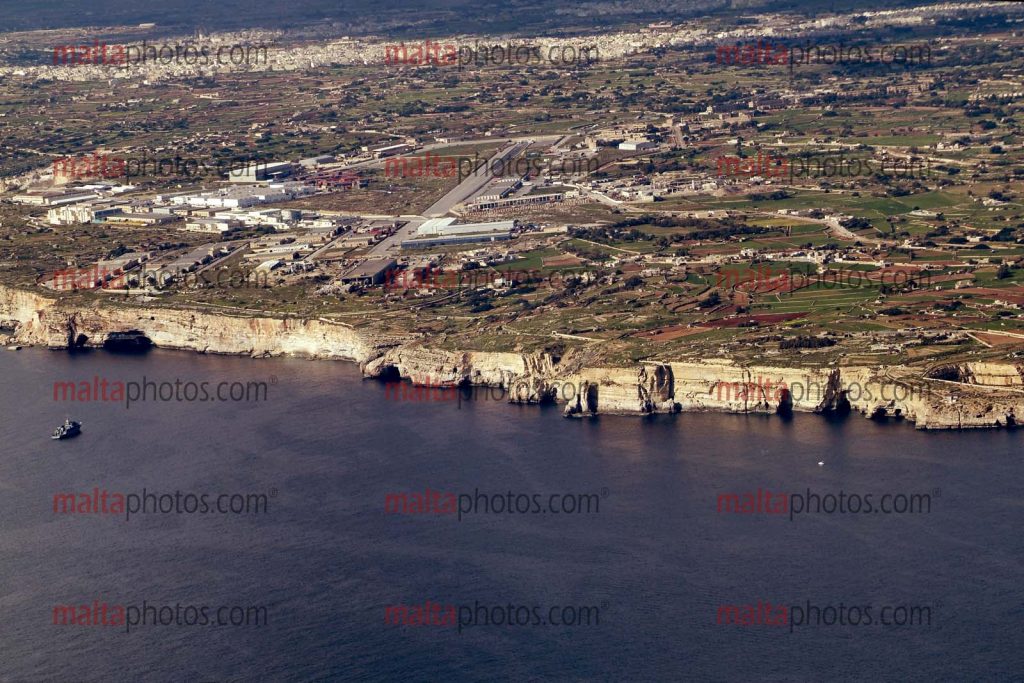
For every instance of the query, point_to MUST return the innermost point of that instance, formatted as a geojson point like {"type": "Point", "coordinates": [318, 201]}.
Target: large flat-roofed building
{"type": "Point", "coordinates": [313, 162]}
{"type": "Point", "coordinates": [139, 218]}
{"type": "Point", "coordinates": [261, 172]}
{"type": "Point", "coordinates": [440, 231]}
{"type": "Point", "coordinates": [433, 226]}
{"type": "Point", "coordinates": [637, 145]}
{"type": "Point", "coordinates": [482, 204]}
{"type": "Point", "coordinates": [200, 256]}
{"type": "Point", "coordinates": [122, 263]}
{"type": "Point", "coordinates": [269, 265]}
{"type": "Point", "coordinates": [76, 214]}
{"type": "Point", "coordinates": [499, 189]}
{"type": "Point", "coordinates": [369, 272]}
{"type": "Point", "coordinates": [243, 196]}
{"type": "Point", "coordinates": [54, 197]}
{"type": "Point", "coordinates": [286, 252]}
{"type": "Point", "coordinates": [279, 219]}
{"type": "Point", "coordinates": [215, 226]}
{"type": "Point", "coordinates": [446, 240]}
{"type": "Point", "coordinates": [390, 150]}
{"type": "Point", "coordinates": [445, 227]}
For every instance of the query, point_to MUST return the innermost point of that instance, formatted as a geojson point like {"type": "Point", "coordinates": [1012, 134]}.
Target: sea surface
{"type": "Point", "coordinates": [657, 559]}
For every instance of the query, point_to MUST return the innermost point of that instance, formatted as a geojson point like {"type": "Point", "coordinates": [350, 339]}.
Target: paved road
{"type": "Point", "coordinates": [394, 242]}
{"type": "Point", "coordinates": [472, 184]}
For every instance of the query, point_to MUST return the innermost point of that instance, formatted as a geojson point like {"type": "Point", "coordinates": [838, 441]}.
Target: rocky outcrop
{"type": "Point", "coordinates": [721, 386]}
{"type": "Point", "coordinates": [951, 396]}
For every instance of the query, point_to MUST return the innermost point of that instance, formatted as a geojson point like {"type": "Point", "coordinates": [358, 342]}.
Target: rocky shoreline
{"type": "Point", "coordinates": [987, 395]}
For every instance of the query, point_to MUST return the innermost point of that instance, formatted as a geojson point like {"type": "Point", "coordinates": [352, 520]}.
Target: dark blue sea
{"type": "Point", "coordinates": [654, 565]}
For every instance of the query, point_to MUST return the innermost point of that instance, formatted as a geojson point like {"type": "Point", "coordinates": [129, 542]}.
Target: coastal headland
{"type": "Point", "coordinates": [953, 396]}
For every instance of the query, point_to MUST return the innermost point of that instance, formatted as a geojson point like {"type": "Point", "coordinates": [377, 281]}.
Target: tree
{"type": "Point", "coordinates": [710, 301]}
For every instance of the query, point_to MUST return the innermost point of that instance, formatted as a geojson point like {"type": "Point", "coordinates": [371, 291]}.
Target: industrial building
{"type": "Point", "coordinates": [279, 219]}
{"type": "Point", "coordinates": [286, 251]}
{"type": "Point", "coordinates": [200, 256]}
{"type": "Point", "coordinates": [637, 145]}
{"type": "Point", "coordinates": [122, 263]}
{"type": "Point", "coordinates": [329, 180]}
{"type": "Point", "coordinates": [54, 197]}
{"type": "Point", "coordinates": [269, 265]}
{"type": "Point", "coordinates": [390, 150]}
{"type": "Point", "coordinates": [499, 189]}
{"type": "Point", "coordinates": [211, 225]}
{"type": "Point", "coordinates": [78, 214]}
{"type": "Point", "coordinates": [261, 172]}
{"type": "Point", "coordinates": [313, 162]}
{"type": "Point", "coordinates": [486, 204]}
{"type": "Point", "coordinates": [370, 272]}
{"type": "Point", "coordinates": [428, 242]}
{"type": "Point", "coordinates": [440, 231]}
{"type": "Point", "coordinates": [446, 227]}
{"type": "Point", "coordinates": [139, 218]}
{"type": "Point", "coordinates": [243, 196]}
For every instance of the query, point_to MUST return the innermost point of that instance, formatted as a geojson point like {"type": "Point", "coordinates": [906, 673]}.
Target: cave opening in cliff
{"type": "Point", "coordinates": [547, 397]}
{"type": "Point", "coordinates": [132, 341]}
{"type": "Point", "coordinates": [556, 351]}
{"type": "Point", "coordinates": [950, 373]}
{"type": "Point", "coordinates": [785, 408]}
{"type": "Point", "coordinates": [389, 373]}
{"type": "Point", "coordinates": [842, 404]}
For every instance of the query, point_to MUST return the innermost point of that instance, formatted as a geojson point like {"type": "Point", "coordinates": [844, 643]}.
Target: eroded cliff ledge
{"type": "Point", "coordinates": [952, 396]}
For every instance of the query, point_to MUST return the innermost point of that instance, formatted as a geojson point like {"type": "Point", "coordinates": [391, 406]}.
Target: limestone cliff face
{"type": "Point", "coordinates": [644, 389]}
{"type": "Point", "coordinates": [730, 387]}
{"type": "Point", "coordinates": [973, 394]}
{"type": "Point", "coordinates": [19, 306]}
{"type": "Point", "coordinates": [987, 374]}
{"type": "Point", "coordinates": [423, 365]}
{"type": "Point", "coordinates": [50, 322]}
{"type": "Point", "coordinates": [721, 386]}
{"type": "Point", "coordinates": [953, 396]}
{"type": "Point", "coordinates": [884, 392]}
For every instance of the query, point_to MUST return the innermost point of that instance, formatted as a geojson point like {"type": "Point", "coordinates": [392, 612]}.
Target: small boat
{"type": "Point", "coordinates": [67, 430]}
